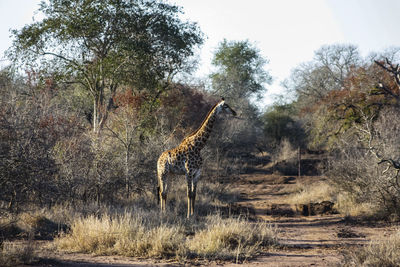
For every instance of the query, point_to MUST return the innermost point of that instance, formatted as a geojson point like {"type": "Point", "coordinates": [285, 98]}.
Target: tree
{"type": "Point", "coordinates": [360, 125]}
{"type": "Point", "coordinates": [366, 90]}
{"type": "Point", "coordinates": [124, 125]}
{"type": "Point", "coordinates": [279, 124]}
{"type": "Point", "coordinates": [312, 81]}
{"type": "Point", "coordinates": [240, 77]}
{"type": "Point", "coordinates": [240, 73]}
{"type": "Point", "coordinates": [104, 45]}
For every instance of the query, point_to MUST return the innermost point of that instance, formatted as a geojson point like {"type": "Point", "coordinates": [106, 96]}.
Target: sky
{"type": "Point", "coordinates": [287, 32]}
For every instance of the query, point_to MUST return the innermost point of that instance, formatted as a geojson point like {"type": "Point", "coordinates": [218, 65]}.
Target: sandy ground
{"type": "Point", "coordinates": [304, 240]}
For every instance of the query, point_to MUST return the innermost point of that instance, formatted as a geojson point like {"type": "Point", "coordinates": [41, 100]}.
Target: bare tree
{"type": "Point", "coordinates": [367, 162]}
{"type": "Point", "coordinates": [312, 81]}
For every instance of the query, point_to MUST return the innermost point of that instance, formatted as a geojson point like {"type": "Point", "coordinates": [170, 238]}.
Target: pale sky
{"type": "Point", "coordinates": [287, 32]}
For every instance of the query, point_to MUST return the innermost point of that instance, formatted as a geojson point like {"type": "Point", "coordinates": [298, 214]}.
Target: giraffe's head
{"type": "Point", "coordinates": [225, 108]}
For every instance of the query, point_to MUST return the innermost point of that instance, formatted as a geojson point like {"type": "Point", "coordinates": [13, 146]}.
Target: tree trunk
{"type": "Point", "coordinates": [127, 187]}
{"type": "Point", "coordinates": [299, 161]}
{"type": "Point", "coordinates": [99, 111]}
{"type": "Point", "coordinates": [95, 115]}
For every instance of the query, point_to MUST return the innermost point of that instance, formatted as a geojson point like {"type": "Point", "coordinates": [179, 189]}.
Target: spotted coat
{"type": "Point", "coordinates": [185, 159]}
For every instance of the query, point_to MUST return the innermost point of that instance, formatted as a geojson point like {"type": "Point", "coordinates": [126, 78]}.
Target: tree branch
{"type": "Point", "coordinates": [395, 70]}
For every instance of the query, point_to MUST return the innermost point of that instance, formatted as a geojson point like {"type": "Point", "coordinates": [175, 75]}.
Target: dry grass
{"type": "Point", "coordinates": [347, 206]}
{"type": "Point", "coordinates": [17, 233]}
{"type": "Point", "coordinates": [311, 193]}
{"type": "Point", "coordinates": [384, 253]}
{"type": "Point", "coordinates": [129, 234]}
{"type": "Point", "coordinates": [232, 238]}
{"type": "Point", "coordinates": [8, 228]}
{"type": "Point", "coordinates": [285, 152]}
{"type": "Point", "coordinates": [323, 191]}
{"type": "Point", "coordinates": [142, 234]}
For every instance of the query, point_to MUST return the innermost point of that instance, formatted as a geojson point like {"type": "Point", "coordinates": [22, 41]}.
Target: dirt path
{"type": "Point", "coordinates": [305, 240]}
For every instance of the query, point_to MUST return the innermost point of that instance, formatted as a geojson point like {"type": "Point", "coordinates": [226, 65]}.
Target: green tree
{"type": "Point", "coordinates": [240, 71]}
{"type": "Point", "coordinates": [279, 123]}
{"type": "Point", "coordinates": [105, 45]}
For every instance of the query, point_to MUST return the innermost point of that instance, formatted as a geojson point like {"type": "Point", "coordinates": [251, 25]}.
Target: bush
{"type": "Point", "coordinates": [279, 124]}
{"type": "Point", "coordinates": [366, 164]}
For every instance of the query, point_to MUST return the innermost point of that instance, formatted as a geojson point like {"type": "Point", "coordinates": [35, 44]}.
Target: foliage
{"type": "Point", "coordinates": [348, 106]}
{"type": "Point", "coordinates": [240, 73]}
{"type": "Point", "coordinates": [240, 78]}
{"type": "Point", "coordinates": [103, 45]}
{"type": "Point", "coordinates": [368, 168]}
{"type": "Point", "coordinates": [279, 123]}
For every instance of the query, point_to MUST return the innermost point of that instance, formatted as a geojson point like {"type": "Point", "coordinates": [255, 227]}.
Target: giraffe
{"type": "Point", "coordinates": [186, 159]}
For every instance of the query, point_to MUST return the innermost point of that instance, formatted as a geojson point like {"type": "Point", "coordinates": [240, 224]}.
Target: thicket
{"type": "Point", "coordinates": [50, 155]}
{"type": "Point", "coordinates": [348, 106]}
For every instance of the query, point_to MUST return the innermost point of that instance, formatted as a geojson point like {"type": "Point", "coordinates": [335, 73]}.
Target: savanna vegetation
{"type": "Point", "coordinates": [96, 91]}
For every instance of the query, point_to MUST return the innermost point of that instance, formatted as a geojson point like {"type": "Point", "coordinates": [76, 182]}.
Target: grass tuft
{"type": "Point", "coordinates": [316, 192]}
{"type": "Point", "coordinates": [232, 238]}
{"type": "Point", "coordinates": [127, 234]}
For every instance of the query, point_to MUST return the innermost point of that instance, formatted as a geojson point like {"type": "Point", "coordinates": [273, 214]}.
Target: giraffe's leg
{"type": "Point", "coordinates": [163, 192]}
{"type": "Point", "coordinates": [163, 202]}
{"type": "Point", "coordinates": [193, 190]}
{"type": "Point", "coordinates": [163, 197]}
{"type": "Point", "coordinates": [189, 199]}
{"type": "Point", "coordinates": [194, 185]}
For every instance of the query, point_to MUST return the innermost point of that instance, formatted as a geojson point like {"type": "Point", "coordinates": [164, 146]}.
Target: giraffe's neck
{"type": "Point", "coordinates": [201, 136]}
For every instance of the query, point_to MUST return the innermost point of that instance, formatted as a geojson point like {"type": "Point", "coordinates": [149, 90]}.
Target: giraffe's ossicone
{"type": "Point", "coordinates": [185, 159]}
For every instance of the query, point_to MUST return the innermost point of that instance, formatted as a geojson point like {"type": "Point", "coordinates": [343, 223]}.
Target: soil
{"type": "Point", "coordinates": [314, 240]}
